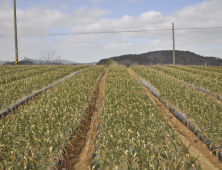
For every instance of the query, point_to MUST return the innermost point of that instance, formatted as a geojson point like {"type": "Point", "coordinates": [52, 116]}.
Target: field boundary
{"type": "Point", "coordinates": [27, 98]}
{"type": "Point", "coordinates": [183, 119]}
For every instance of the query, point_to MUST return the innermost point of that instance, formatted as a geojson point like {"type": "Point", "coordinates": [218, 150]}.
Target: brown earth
{"type": "Point", "coordinates": [206, 159]}
{"type": "Point", "coordinates": [80, 148]}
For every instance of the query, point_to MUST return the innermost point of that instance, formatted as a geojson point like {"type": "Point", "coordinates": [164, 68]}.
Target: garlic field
{"type": "Point", "coordinates": [133, 135]}
{"type": "Point", "coordinates": [204, 111]}
{"type": "Point", "coordinates": [32, 138]}
{"type": "Point", "coordinates": [134, 130]}
{"type": "Point", "coordinates": [19, 83]}
{"type": "Point", "coordinates": [209, 80]}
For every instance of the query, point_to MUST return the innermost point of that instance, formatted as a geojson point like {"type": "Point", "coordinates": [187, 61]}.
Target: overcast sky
{"type": "Point", "coordinates": [74, 16]}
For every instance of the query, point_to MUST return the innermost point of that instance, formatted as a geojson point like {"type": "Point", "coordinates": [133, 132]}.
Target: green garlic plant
{"type": "Point", "coordinates": [209, 68]}
{"type": "Point", "coordinates": [5, 69]}
{"type": "Point", "coordinates": [212, 85]}
{"type": "Point", "coordinates": [21, 74]}
{"type": "Point", "coordinates": [201, 73]}
{"type": "Point", "coordinates": [14, 90]}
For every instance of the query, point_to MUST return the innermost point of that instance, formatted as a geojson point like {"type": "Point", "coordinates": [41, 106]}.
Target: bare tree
{"type": "Point", "coordinates": [48, 55]}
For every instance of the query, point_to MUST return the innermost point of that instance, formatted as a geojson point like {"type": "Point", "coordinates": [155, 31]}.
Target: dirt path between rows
{"type": "Point", "coordinates": [80, 149]}
{"type": "Point", "coordinates": [206, 159]}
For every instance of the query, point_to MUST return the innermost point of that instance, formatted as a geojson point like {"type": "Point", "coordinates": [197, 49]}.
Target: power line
{"type": "Point", "coordinates": [103, 32]}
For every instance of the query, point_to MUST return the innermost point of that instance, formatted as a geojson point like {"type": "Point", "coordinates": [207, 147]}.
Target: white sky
{"type": "Point", "coordinates": [72, 16]}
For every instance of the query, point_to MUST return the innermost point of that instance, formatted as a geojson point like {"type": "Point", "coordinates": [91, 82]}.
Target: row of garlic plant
{"type": "Point", "coordinates": [34, 137]}
{"type": "Point", "coordinates": [205, 111]}
{"type": "Point", "coordinates": [212, 85]}
{"type": "Point", "coordinates": [133, 135]}
{"type": "Point", "coordinates": [215, 67]}
{"type": "Point", "coordinates": [18, 75]}
{"type": "Point", "coordinates": [8, 70]}
{"type": "Point", "coordinates": [10, 92]}
{"type": "Point", "coordinates": [203, 73]}
{"type": "Point", "coordinates": [209, 68]}
{"type": "Point", "coordinates": [5, 69]}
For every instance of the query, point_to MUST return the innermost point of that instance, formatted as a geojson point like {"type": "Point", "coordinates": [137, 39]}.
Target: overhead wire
{"type": "Point", "coordinates": [103, 32]}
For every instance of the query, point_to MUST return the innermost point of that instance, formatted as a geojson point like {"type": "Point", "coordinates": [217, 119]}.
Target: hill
{"type": "Point", "coordinates": [164, 57]}
{"type": "Point", "coordinates": [41, 62]}
{"type": "Point", "coordinates": [3, 62]}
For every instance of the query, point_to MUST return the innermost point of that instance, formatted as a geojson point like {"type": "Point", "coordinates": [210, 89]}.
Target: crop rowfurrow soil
{"type": "Point", "coordinates": [211, 85]}
{"type": "Point", "coordinates": [186, 121]}
{"type": "Point", "coordinates": [27, 98]}
{"type": "Point", "coordinates": [133, 135]}
{"type": "Point", "coordinates": [35, 136]}
{"type": "Point", "coordinates": [8, 78]}
{"type": "Point", "coordinates": [4, 70]}
{"type": "Point", "coordinates": [204, 111]}
{"type": "Point", "coordinates": [208, 68]}
{"type": "Point", "coordinates": [9, 93]}
{"type": "Point", "coordinates": [188, 85]}
{"type": "Point", "coordinates": [203, 73]}
{"type": "Point", "coordinates": [78, 152]}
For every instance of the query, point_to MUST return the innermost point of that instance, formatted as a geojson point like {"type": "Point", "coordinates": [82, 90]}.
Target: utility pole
{"type": "Point", "coordinates": [25, 63]}
{"type": "Point", "coordinates": [173, 45]}
{"type": "Point", "coordinates": [15, 31]}
{"type": "Point", "coordinates": [188, 61]}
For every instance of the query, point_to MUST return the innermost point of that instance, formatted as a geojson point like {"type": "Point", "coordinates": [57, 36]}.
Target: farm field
{"type": "Point", "coordinates": [203, 73]}
{"type": "Point", "coordinates": [204, 111]}
{"type": "Point", "coordinates": [105, 118]}
{"type": "Point", "coordinates": [133, 134]}
{"type": "Point", "coordinates": [32, 137]}
{"type": "Point", "coordinates": [213, 85]}
{"type": "Point", "coordinates": [210, 68]}
{"type": "Point", "coordinates": [21, 73]}
{"type": "Point", "coordinates": [13, 87]}
{"type": "Point", "coordinates": [12, 69]}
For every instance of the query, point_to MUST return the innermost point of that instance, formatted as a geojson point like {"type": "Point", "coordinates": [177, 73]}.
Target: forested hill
{"type": "Point", "coordinates": [164, 57]}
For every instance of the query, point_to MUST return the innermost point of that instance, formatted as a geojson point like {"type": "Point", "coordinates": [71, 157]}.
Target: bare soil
{"type": "Point", "coordinates": [206, 159]}
{"type": "Point", "coordinates": [80, 148]}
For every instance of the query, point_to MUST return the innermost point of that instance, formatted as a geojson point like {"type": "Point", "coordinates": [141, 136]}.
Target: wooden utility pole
{"type": "Point", "coordinates": [25, 63]}
{"type": "Point", "coordinates": [15, 31]}
{"type": "Point", "coordinates": [173, 45]}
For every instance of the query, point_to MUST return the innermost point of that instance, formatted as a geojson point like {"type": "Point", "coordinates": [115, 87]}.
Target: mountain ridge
{"type": "Point", "coordinates": [163, 57]}
{"type": "Point", "coordinates": [30, 61]}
